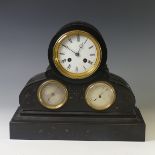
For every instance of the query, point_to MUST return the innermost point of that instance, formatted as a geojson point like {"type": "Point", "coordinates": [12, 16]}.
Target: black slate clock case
{"type": "Point", "coordinates": [76, 120]}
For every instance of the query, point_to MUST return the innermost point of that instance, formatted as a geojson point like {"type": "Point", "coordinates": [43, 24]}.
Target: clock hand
{"type": "Point", "coordinates": [51, 95]}
{"type": "Point", "coordinates": [99, 96]}
{"type": "Point", "coordinates": [81, 46]}
{"type": "Point", "coordinates": [85, 41]}
{"type": "Point", "coordinates": [70, 49]}
{"type": "Point", "coordinates": [76, 53]}
{"type": "Point", "coordinates": [95, 99]}
{"type": "Point", "coordinates": [103, 92]}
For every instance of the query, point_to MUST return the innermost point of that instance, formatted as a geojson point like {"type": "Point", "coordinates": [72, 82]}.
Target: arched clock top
{"type": "Point", "coordinates": [77, 51]}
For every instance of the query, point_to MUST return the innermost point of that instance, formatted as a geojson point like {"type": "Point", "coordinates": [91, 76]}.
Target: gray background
{"type": "Point", "coordinates": [26, 28]}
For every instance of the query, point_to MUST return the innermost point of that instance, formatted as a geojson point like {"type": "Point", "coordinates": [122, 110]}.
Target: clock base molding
{"type": "Point", "coordinates": [34, 126]}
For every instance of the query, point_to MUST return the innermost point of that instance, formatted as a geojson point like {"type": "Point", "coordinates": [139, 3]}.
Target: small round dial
{"type": "Point", "coordinates": [52, 94]}
{"type": "Point", "coordinates": [77, 54]}
{"type": "Point", "coordinates": [100, 95]}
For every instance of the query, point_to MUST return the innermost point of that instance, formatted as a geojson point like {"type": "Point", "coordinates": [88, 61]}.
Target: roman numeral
{"type": "Point", "coordinates": [78, 38]}
{"type": "Point", "coordinates": [70, 40]}
{"type": "Point", "coordinates": [84, 67]}
{"type": "Point", "coordinates": [64, 45]}
{"type": "Point", "coordinates": [63, 61]}
{"type": "Point", "coordinates": [85, 41]}
{"type": "Point", "coordinates": [62, 53]}
{"type": "Point", "coordinates": [92, 54]}
{"type": "Point", "coordinates": [76, 69]}
{"type": "Point", "coordinates": [69, 66]}
{"type": "Point", "coordinates": [90, 62]}
{"type": "Point", "coordinates": [91, 47]}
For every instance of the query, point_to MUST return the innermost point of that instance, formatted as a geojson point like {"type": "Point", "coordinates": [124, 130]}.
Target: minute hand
{"type": "Point", "coordinates": [69, 49]}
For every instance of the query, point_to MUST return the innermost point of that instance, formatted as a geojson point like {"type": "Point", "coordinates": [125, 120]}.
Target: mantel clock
{"type": "Point", "coordinates": [77, 98]}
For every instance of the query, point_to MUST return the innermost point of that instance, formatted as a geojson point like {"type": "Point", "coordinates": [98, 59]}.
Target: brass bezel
{"type": "Point", "coordinates": [43, 102]}
{"type": "Point", "coordinates": [89, 102]}
{"type": "Point", "coordinates": [66, 72]}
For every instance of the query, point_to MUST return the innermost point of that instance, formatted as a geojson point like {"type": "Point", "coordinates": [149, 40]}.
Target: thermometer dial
{"type": "Point", "coordinates": [100, 95]}
{"type": "Point", "coordinates": [52, 94]}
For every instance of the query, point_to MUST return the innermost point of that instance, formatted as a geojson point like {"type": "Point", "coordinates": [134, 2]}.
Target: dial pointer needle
{"type": "Point", "coordinates": [95, 99]}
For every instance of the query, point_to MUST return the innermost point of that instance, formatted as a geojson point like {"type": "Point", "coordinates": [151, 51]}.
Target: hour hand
{"type": "Point", "coordinates": [81, 45]}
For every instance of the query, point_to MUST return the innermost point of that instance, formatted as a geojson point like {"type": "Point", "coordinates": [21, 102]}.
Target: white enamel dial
{"type": "Point", "coordinates": [78, 54]}
{"type": "Point", "coordinates": [100, 95]}
{"type": "Point", "coordinates": [52, 94]}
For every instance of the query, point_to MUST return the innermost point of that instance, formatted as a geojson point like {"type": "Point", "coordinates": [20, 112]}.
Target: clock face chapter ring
{"type": "Point", "coordinates": [77, 54]}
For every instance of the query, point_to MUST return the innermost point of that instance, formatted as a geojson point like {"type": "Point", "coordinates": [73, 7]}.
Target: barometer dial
{"type": "Point", "coordinates": [100, 95]}
{"type": "Point", "coordinates": [52, 94]}
{"type": "Point", "coordinates": [77, 54]}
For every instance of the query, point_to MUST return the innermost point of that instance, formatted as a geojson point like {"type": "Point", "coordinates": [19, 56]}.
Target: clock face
{"type": "Point", "coordinates": [52, 94]}
{"type": "Point", "coordinates": [100, 95]}
{"type": "Point", "coordinates": [77, 54]}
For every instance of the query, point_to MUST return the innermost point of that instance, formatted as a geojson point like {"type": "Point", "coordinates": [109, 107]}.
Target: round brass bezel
{"type": "Point", "coordinates": [65, 72]}
{"type": "Point", "coordinates": [41, 87]}
{"type": "Point", "coordinates": [88, 100]}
